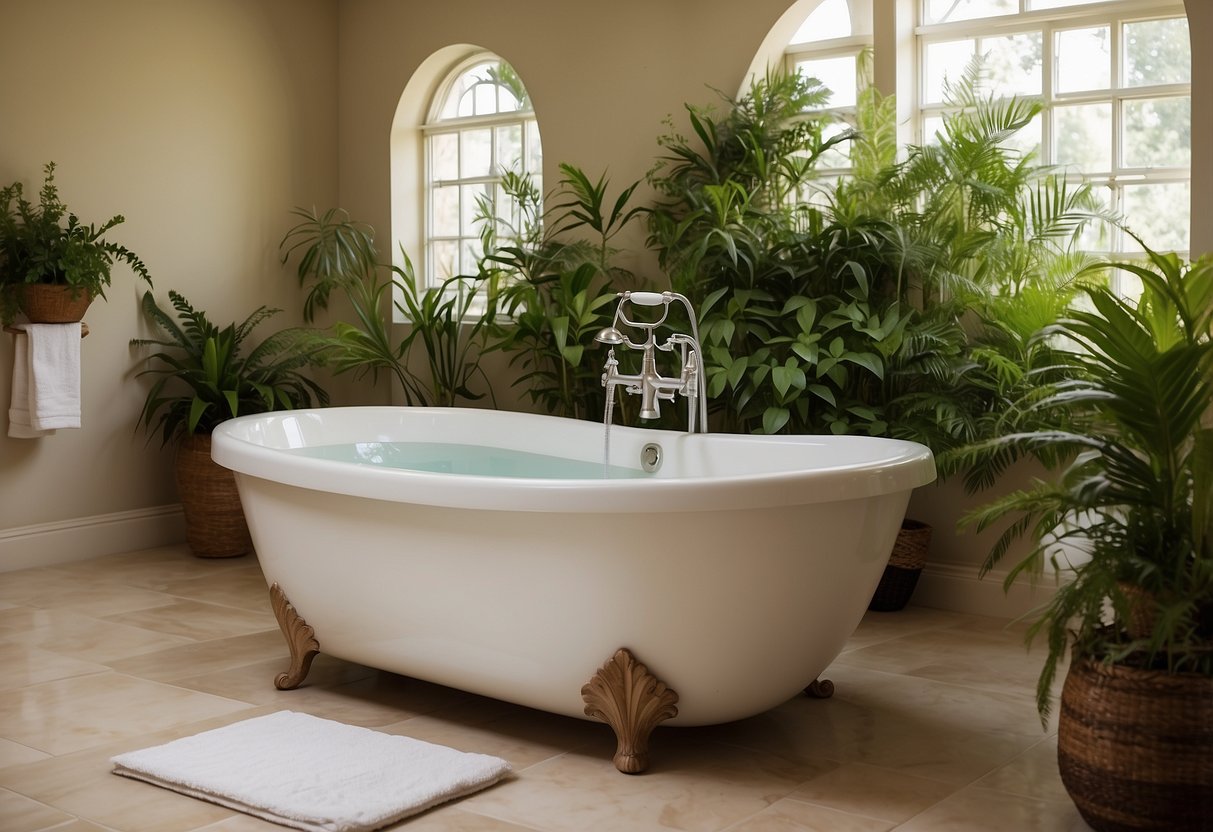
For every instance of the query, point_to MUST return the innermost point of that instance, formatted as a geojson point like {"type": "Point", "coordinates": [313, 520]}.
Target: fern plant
{"type": "Point", "coordinates": [205, 374]}
{"type": "Point", "coordinates": [1132, 506]}
{"type": "Point", "coordinates": [44, 242]}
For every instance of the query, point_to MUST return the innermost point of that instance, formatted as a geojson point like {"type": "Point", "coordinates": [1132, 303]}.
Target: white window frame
{"type": "Point", "coordinates": [1048, 22]}
{"type": "Point", "coordinates": [849, 47]}
{"type": "Point", "coordinates": [435, 125]}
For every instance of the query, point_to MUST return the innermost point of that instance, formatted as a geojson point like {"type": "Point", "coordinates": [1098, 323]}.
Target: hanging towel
{"type": "Point", "coordinates": [19, 424]}
{"type": "Point", "coordinates": [54, 375]}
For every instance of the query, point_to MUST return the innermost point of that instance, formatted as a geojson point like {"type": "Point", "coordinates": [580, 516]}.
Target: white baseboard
{"type": "Point", "coordinates": [957, 588]}
{"type": "Point", "coordinates": [81, 538]}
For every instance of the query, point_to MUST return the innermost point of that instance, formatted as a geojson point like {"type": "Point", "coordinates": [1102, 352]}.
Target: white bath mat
{"type": "Point", "coordinates": [311, 773]}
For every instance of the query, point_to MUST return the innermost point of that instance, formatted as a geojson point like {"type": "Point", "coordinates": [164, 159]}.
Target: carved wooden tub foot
{"type": "Point", "coordinates": [632, 701]}
{"type": "Point", "coordinates": [820, 689]}
{"type": "Point", "coordinates": [300, 638]}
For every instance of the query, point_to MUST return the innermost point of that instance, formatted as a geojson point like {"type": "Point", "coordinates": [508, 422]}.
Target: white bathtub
{"type": "Point", "coordinates": [736, 572]}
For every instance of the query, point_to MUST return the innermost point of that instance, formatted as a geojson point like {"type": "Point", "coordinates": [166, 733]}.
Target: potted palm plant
{"type": "Point", "coordinates": [203, 377]}
{"type": "Point", "coordinates": [52, 265]}
{"type": "Point", "coordinates": [1128, 524]}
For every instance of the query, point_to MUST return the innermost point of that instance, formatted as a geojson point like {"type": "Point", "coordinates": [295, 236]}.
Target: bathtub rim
{"type": "Point", "coordinates": [905, 466]}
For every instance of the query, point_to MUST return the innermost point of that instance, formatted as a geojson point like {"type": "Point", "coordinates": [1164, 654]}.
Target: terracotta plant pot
{"type": "Point", "coordinates": [214, 521]}
{"type": "Point", "coordinates": [52, 303]}
{"type": "Point", "coordinates": [1135, 747]}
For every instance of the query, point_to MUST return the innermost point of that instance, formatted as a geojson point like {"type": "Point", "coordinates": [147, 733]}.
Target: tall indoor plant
{"type": "Point", "coordinates": [52, 265]}
{"type": "Point", "coordinates": [204, 375]}
{"type": "Point", "coordinates": [1128, 524]}
{"type": "Point", "coordinates": [338, 254]}
{"type": "Point", "coordinates": [554, 284]}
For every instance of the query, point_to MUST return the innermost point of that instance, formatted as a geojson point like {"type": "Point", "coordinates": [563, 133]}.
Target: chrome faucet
{"type": "Point", "coordinates": [651, 386]}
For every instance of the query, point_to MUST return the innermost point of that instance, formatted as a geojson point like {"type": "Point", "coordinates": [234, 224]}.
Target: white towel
{"type": "Point", "coordinates": [54, 375]}
{"type": "Point", "coordinates": [19, 423]}
{"type": "Point", "coordinates": [313, 774]}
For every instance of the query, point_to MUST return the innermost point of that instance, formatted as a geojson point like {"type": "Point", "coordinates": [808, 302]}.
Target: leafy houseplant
{"type": "Point", "coordinates": [791, 317]}
{"type": "Point", "coordinates": [338, 254]}
{"type": "Point", "coordinates": [553, 293]}
{"type": "Point", "coordinates": [43, 244]}
{"type": "Point", "coordinates": [1135, 499]}
{"type": "Point", "coordinates": [205, 375]}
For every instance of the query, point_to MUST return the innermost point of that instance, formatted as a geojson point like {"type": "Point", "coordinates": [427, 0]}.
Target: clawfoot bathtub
{"type": "Point", "coordinates": [428, 542]}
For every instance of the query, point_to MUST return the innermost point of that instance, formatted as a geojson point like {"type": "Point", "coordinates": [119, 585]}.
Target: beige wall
{"type": "Point", "coordinates": [602, 76]}
{"type": "Point", "coordinates": [203, 122]}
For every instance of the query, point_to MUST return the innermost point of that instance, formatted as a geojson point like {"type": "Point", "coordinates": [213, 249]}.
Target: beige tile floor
{"type": "Point", "coordinates": [932, 726]}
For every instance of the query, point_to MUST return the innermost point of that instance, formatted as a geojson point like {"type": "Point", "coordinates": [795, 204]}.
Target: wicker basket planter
{"type": "Point", "coordinates": [905, 565]}
{"type": "Point", "coordinates": [214, 520]}
{"type": "Point", "coordinates": [52, 303]}
{"type": "Point", "coordinates": [1135, 747]}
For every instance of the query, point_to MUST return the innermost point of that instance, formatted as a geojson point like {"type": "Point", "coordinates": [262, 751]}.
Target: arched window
{"type": "Point", "coordinates": [479, 126]}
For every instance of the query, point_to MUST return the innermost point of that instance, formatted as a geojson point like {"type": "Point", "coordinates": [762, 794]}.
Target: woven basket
{"type": "Point", "coordinates": [905, 565]}
{"type": "Point", "coordinates": [1135, 747]}
{"type": "Point", "coordinates": [52, 303]}
{"type": "Point", "coordinates": [214, 520]}
{"type": "Point", "coordinates": [1143, 611]}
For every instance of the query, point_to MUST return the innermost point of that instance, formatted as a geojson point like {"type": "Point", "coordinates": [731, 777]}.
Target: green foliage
{"type": "Point", "coordinates": [339, 254]}
{"type": "Point", "coordinates": [795, 314]}
{"type": "Point", "coordinates": [452, 337]}
{"type": "Point", "coordinates": [204, 376]}
{"type": "Point", "coordinates": [982, 254]}
{"type": "Point", "coordinates": [1135, 494]}
{"type": "Point", "coordinates": [555, 290]}
{"type": "Point", "coordinates": [336, 253]}
{"type": "Point", "coordinates": [45, 243]}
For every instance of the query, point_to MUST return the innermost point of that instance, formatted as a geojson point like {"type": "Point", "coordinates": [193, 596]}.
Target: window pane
{"type": "Point", "coordinates": [838, 156]}
{"type": "Point", "coordinates": [486, 98]}
{"type": "Point", "coordinates": [1028, 139]}
{"type": "Point", "coordinates": [469, 256]}
{"type": "Point", "coordinates": [534, 148]}
{"type": "Point", "coordinates": [837, 74]}
{"type": "Point", "coordinates": [476, 152]}
{"type": "Point", "coordinates": [455, 98]}
{"type": "Point", "coordinates": [444, 156]}
{"type": "Point", "coordinates": [945, 62]}
{"type": "Point", "coordinates": [509, 148]}
{"type": "Point", "coordinates": [832, 19]}
{"type": "Point", "coordinates": [1157, 132]}
{"type": "Point", "coordinates": [445, 211]}
{"type": "Point", "coordinates": [508, 214]}
{"type": "Point", "coordinates": [1084, 59]}
{"type": "Point", "coordinates": [1012, 63]}
{"type": "Point", "coordinates": [506, 102]}
{"type": "Point", "coordinates": [931, 127]}
{"type": "Point", "coordinates": [472, 194]}
{"type": "Point", "coordinates": [1159, 214]}
{"type": "Point", "coordinates": [1082, 137]}
{"type": "Point", "coordinates": [444, 254]}
{"type": "Point", "coordinates": [1157, 52]}
{"type": "Point", "coordinates": [942, 11]}
{"type": "Point", "coordinates": [1098, 235]}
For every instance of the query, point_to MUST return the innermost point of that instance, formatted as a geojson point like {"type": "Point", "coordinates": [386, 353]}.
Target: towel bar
{"type": "Point", "coordinates": [15, 331]}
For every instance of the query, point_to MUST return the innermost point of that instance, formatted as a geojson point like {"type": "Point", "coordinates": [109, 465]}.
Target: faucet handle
{"type": "Point", "coordinates": [647, 298]}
